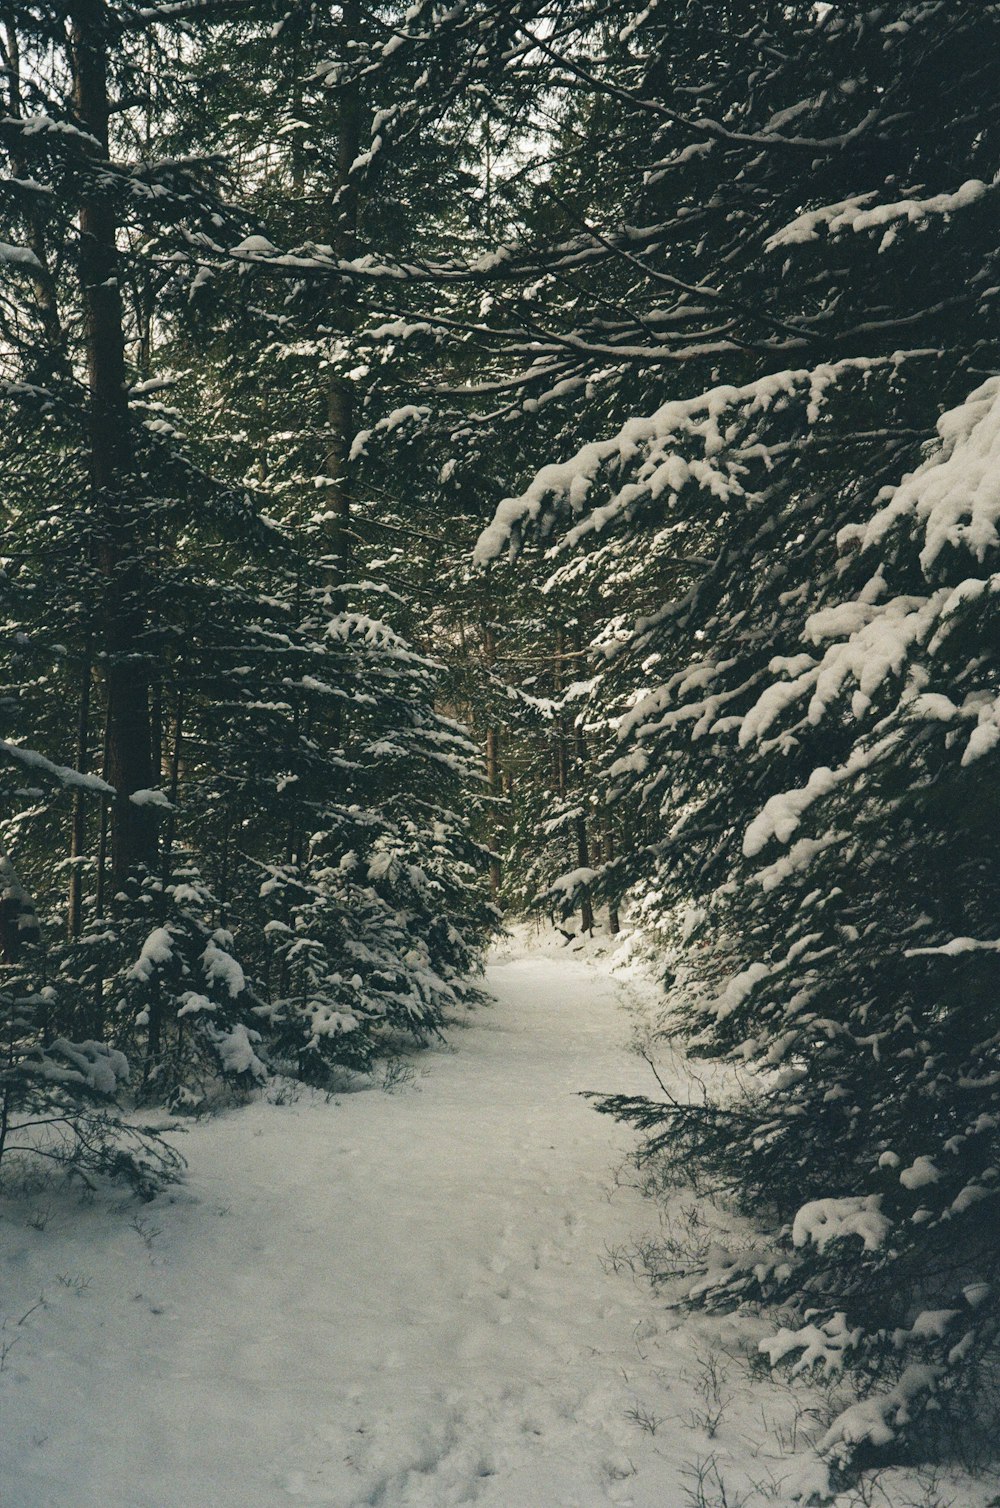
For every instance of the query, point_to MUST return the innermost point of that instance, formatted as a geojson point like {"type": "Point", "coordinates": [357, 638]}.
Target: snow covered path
{"type": "Point", "coordinates": [396, 1300]}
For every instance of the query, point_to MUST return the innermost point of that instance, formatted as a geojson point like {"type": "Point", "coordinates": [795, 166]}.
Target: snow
{"type": "Point", "coordinates": [954, 947]}
{"type": "Point", "coordinates": [101, 1068]}
{"type": "Point", "coordinates": [255, 246]}
{"type": "Point", "coordinates": [854, 214]}
{"type": "Point", "coordinates": [824, 1347]}
{"type": "Point", "coordinates": [236, 1051]}
{"type": "Point", "coordinates": [395, 1299]}
{"type": "Point", "coordinates": [364, 159]}
{"type": "Point", "coordinates": [920, 1173]}
{"type": "Point", "coordinates": [782, 814]}
{"type": "Point", "coordinates": [654, 436]}
{"type": "Point", "coordinates": [875, 1418]}
{"type": "Point", "coordinates": [954, 497]}
{"type": "Point", "coordinates": [877, 641]}
{"type": "Point", "coordinates": [797, 859]}
{"type": "Point", "coordinates": [739, 988]}
{"type": "Point", "coordinates": [154, 797]}
{"type": "Point", "coordinates": [41, 124]}
{"type": "Point", "coordinates": [32, 760]}
{"type": "Point", "coordinates": [192, 1003]}
{"type": "Point", "coordinates": [930, 1324]}
{"type": "Point", "coordinates": [985, 736]}
{"type": "Point", "coordinates": [18, 256]}
{"type": "Point", "coordinates": [220, 967]}
{"type": "Point", "coordinates": [824, 1220]}
{"type": "Point", "coordinates": [158, 949]}
{"type": "Point", "coordinates": [410, 1299]}
{"type": "Point", "coordinates": [568, 884]}
{"type": "Point", "coordinates": [878, 638]}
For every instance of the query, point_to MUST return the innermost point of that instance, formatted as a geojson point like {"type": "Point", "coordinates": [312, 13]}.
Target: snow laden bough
{"type": "Point", "coordinates": [802, 701]}
{"type": "Point", "coordinates": [843, 951]}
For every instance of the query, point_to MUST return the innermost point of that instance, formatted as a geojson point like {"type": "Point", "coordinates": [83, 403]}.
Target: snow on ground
{"type": "Point", "coordinates": [411, 1299]}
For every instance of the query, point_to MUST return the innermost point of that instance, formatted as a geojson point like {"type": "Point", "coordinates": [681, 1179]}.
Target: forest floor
{"type": "Point", "coordinates": [424, 1296]}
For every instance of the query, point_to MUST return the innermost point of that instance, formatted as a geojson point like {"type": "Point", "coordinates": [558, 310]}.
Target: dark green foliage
{"type": "Point", "coordinates": [292, 882]}
{"type": "Point", "coordinates": [801, 692]}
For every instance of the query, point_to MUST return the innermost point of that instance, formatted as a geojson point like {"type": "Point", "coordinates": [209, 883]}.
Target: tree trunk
{"type": "Point", "coordinates": [607, 854]}
{"type": "Point", "coordinates": [339, 394]}
{"type": "Point", "coordinates": [112, 464]}
{"type": "Point", "coordinates": [175, 780]}
{"type": "Point", "coordinates": [78, 829]}
{"type": "Point", "coordinates": [583, 860]}
{"type": "Point", "coordinates": [582, 840]}
{"type": "Point", "coordinates": [100, 881]}
{"type": "Point", "coordinates": [494, 779]}
{"type": "Point", "coordinates": [44, 283]}
{"type": "Point", "coordinates": [561, 770]}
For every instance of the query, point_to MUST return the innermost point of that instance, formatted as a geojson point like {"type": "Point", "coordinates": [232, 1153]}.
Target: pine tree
{"type": "Point", "coordinates": [278, 873]}
{"type": "Point", "coordinates": [831, 642]}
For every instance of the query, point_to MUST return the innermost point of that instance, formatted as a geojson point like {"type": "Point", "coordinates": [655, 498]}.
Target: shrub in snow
{"type": "Point", "coordinates": [59, 1098]}
{"type": "Point", "coordinates": [365, 941]}
{"type": "Point", "coordinates": [847, 951]}
{"type": "Point", "coordinates": [162, 980]}
{"type": "Point", "coordinates": [354, 876]}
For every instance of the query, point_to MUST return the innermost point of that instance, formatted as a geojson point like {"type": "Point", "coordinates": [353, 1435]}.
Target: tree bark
{"type": "Point", "coordinates": [582, 839]}
{"type": "Point", "coordinates": [607, 854]}
{"type": "Point", "coordinates": [175, 780]}
{"type": "Point", "coordinates": [494, 778]}
{"type": "Point", "coordinates": [112, 461]}
{"type": "Point", "coordinates": [44, 284]}
{"type": "Point", "coordinates": [561, 769]}
{"type": "Point", "coordinates": [340, 415]}
{"type": "Point", "coordinates": [78, 829]}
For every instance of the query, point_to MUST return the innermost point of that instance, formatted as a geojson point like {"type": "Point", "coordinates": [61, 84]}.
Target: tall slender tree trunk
{"type": "Point", "coordinates": [583, 861]}
{"type": "Point", "coordinates": [572, 776]}
{"type": "Point", "coordinates": [493, 780]}
{"type": "Point", "coordinates": [561, 765]}
{"type": "Point", "coordinates": [340, 406]}
{"type": "Point", "coordinates": [494, 777]}
{"type": "Point", "coordinates": [607, 854]}
{"type": "Point", "coordinates": [44, 284]}
{"type": "Point", "coordinates": [175, 781]}
{"type": "Point", "coordinates": [112, 461]}
{"type": "Point", "coordinates": [340, 412]}
{"type": "Point", "coordinates": [582, 775]}
{"type": "Point", "coordinates": [101, 878]}
{"type": "Point", "coordinates": [78, 828]}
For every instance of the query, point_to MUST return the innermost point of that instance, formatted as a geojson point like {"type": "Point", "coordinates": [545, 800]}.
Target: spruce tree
{"type": "Point", "coordinates": [830, 904]}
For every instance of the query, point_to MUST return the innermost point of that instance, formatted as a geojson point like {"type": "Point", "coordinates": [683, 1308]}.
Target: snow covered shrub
{"type": "Point", "coordinates": [59, 1098]}
{"type": "Point", "coordinates": [364, 941]}
{"type": "Point", "coordinates": [181, 1006]}
{"type": "Point", "coordinates": [351, 874]}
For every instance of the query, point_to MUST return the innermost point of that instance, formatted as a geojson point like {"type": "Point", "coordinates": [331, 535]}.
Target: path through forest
{"type": "Point", "coordinates": [398, 1299]}
{"type": "Point", "coordinates": [392, 1300]}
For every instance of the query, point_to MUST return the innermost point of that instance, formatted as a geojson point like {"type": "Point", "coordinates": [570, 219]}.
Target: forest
{"type": "Point", "coordinates": [485, 459]}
